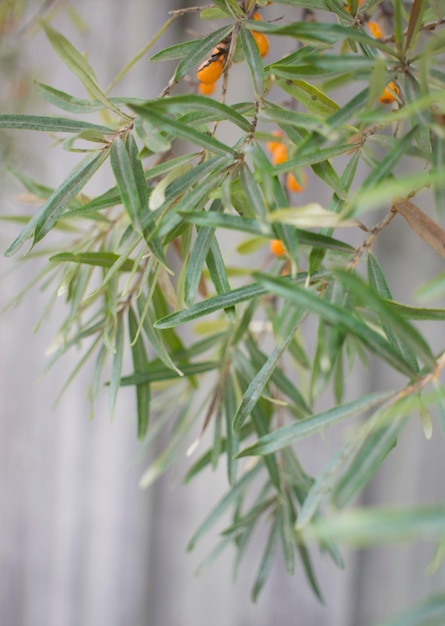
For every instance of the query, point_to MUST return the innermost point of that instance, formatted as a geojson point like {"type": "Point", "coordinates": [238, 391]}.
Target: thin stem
{"type": "Point", "coordinates": [141, 53]}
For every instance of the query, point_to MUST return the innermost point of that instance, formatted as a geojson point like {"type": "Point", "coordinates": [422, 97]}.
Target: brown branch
{"type": "Point", "coordinates": [366, 245]}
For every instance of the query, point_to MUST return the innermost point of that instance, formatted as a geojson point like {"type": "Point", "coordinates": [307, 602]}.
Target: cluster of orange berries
{"type": "Point", "coordinates": [391, 91]}
{"type": "Point", "coordinates": [279, 154]}
{"type": "Point", "coordinates": [211, 69]}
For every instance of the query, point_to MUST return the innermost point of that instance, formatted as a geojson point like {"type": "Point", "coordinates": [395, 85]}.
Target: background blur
{"type": "Point", "coordinates": [80, 543]}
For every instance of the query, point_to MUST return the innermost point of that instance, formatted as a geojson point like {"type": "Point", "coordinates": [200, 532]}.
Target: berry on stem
{"type": "Point", "coordinates": [294, 185]}
{"type": "Point", "coordinates": [206, 89]}
{"type": "Point", "coordinates": [375, 29]}
{"type": "Point", "coordinates": [209, 71]}
{"type": "Point", "coordinates": [273, 145]}
{"type": "Point", "coordinates": [279, 155]}
{"type": "Point", "coordinates": [277, 248]}
{"type": "Point", "coordinates": [262, 42]}
{"type": "Point", "coordinates": [389, 93]}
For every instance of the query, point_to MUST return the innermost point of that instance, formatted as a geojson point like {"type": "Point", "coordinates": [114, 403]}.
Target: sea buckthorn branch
{"type": "Point", "coordinates": [194, 9]}
{"type": "Point", "coordinates": [367, 244]}
{"type": "Point", "coordinates": [428, 26]}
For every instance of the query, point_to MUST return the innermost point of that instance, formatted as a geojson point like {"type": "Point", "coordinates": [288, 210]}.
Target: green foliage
{"type": "Point", "coordinates": [242, 367]}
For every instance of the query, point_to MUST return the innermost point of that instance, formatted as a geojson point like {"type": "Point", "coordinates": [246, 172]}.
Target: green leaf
{"type": "Point", "coordinates": [99, 259]}
{"type": "Point", "coordinates": [311, 215]}
{"type": "Point", "coordinates": [230, 498]}
{"type": "Point", "coordinates": [197, 259]}
{"type": "Point", "coordinates": [172, 450]}
{"type": "Point", "coordinates": [186, 133]}
{"type": "Point", "coordinates": [140, 364]}
{"type": "Point", "coordinates": [50, 124]}
{"type": "Point", "coordinates": [154, 372]}
{"type": "Point", "coordinates": [42, 222]}
{"type": "Point", "coordinates": [217, 303]}
{"type": "Point", "coordinates": [309, 96]}
{"type": "Point", "coordinates": [287, 435]}
{"type": "Point", "coordinates": [257, 227]}
{"type": "Point", "coordinates": [253, 192]}
{"type": "Point", "coordinates": [278, 377]}
{"type": "Point", "coordinates": [79, 66]}
{"type": "Point", "coordinates": [126, 181]}
{"type": "Point", "coordinates": [254, 61]}
{"type": "Point", "coordinates": [386, 165]}
{"type": "Point", "coordinates": [65, 101]}
{"type": "Point", "coordinates": [416, 313]}
{"type": "Point", "coordinates": [154, 336]}
{"type": "Point", "coordinates": [210, 305]}
{"type": "Point", "coordinates": [365, 527]}
{"type": "Point", "coordinates": [391, 329]}
{"type": "Point", "coordinates": [177, 51]}
{"type": "Point", "coordinates": [318, 155]}
{"type": "Point", "coordinates": [194, 103]}
{"type": "Point", "coordinates": [116, 370]}
{"type": "Point", "coordinates": [272, 113]}
{"type": "Point", "coordinates": [367, 462]}
{"type": "Point", "coordinates": [267, 558]}
{"type": "Point", "coordinates": [204, 45]}
{"type": "Point", "coordinates": [406, 334]}
{"type": "Point", "coordinates": [337, 315]}
{"type": "Point", "coordinates": [256, 387]}
{"type": "Point", "coordinates": [430, 612]}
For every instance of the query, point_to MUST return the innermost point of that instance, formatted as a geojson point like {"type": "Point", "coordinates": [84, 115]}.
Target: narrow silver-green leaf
{"type": "Point", "coordinates": [256, 387]}
{"type": "Point", "coordinates": [377, 279]}
{"type": "Point", "coordinates": [338, 316]}
{"type": "Point", "coordinates": [230, 498]}
{"type": "Point", "coordinates": [430, 612]}
{"type": "Point", "coordinates": [50, 124]}
{"type": "Point", "coordinates": [154, 372]}
{"type": "Point", "coordinates": [405, 332]}
{"type": "Point", "coordinates": [367, 461]}
{"type": "Point", "coordinates": [99, 259]}
{"type": "Point", "coordinates": [253, 191]}
{"type": "Point", "coordinates": [186, 133]}
{"type": "Point", "coordinates": [140, 364]}
{"type": "Point", "coordinates": [371, 526]}
{"type": "Point", "coordinates": [126, 181]}
{"type": "Point", "coordinates": [287, 435]}
{"type": "Point", "coordinates": [267, 558]}
{"type": "Point", "coordinates": [254, 61]}
{"type": "Point", "coordinates": [196, 55]}
{"type": "Point", "coordinates": [116, 369]}
{"type": "Point", "coordinates": [195, 103]}
{"type": "Point", "coordinates": [47, 215]}
{"type": "Point", "coordinates": [65, 101]}
{"type": "Point", "coordinates": [78, 65]}
{"type": "Point", "coordinates": [197, 259]}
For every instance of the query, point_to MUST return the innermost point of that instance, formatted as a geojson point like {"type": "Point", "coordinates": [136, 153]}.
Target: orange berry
{"type": "Point", "coordinates": [206, 89]}
{"type": "Point", "coordinates": [279, 155]}
{"type": "Point", "coordinates": [209, 71]}
{"type": "Point", "coordinates": [273, 145]}
{"type": "Point", "coordinates": [257, 17]}
{"type": "Point", "coordinates": [262, 42]}
{"type": "Point", "coordinates": [293, 184]}
{"type": "Point", "coordinates": [221, 49]}
{"type": "Point", "coordinates": [389, 93]}
{"type": "Point", "coordinates": [375, 30]}
{"type": "Point", "coordinates": [360, 2]}
{"type": "Point", "coordinates": [277, 248]}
